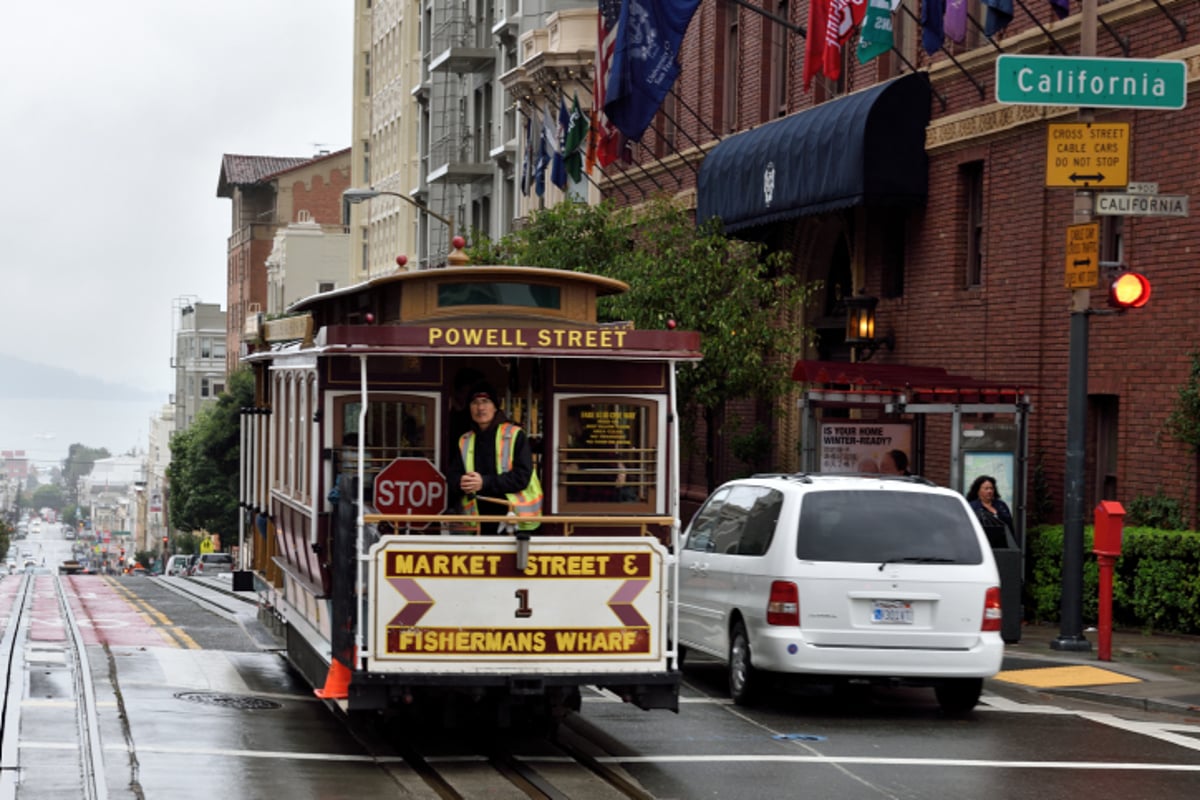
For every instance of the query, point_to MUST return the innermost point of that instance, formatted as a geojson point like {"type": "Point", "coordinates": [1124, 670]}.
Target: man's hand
{"type": "Point", "coordinates": [471, 483]}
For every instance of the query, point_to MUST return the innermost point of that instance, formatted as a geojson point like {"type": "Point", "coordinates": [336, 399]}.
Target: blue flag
{"type": "Point", "coordinates": [999, 14]}
{"type": "Point", "coordinates": [558, 167]}
{"type": "Point", "coordinates": [932, 34]}
{"type": "Point", "coordinates": [645, 61]}
{"type": "Point", "coordinates": [527, 159]}
{"type": "Point", "coordinates": [543, 161]}
{"type": "Point", "coordinates": [1061, 8]}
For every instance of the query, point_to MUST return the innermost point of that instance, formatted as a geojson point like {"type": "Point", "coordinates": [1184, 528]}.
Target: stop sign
{"type": "Point", "coordinates": [410, 486]}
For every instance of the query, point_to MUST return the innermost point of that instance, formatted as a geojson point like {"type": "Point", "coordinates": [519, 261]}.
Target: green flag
{"type": "Point", "coordinates": [577, 130]}
{"type": "Point", "coordinates": [876, 36]}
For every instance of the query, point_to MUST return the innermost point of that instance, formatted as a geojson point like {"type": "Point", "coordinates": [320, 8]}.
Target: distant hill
{"type": "Point", "coordinates": [26, 379]}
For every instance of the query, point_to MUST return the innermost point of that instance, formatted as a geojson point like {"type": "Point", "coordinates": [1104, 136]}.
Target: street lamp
{"type": "Point", "coordinates": [354, 196]}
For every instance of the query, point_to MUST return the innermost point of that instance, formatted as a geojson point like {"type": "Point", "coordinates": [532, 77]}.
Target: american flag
{"type": "Point", "coordinates": [608, 138]}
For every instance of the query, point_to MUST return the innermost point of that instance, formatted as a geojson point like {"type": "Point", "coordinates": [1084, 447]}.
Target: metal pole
{"type": "Point", "coordinates": [1070, 635]}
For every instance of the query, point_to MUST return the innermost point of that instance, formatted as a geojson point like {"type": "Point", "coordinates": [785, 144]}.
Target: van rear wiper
{"type": "Point", "coordinates": [917, 560]}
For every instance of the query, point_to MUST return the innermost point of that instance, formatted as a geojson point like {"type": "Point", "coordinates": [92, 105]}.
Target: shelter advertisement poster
{"type": "Point", "coordinates": [860, 446]}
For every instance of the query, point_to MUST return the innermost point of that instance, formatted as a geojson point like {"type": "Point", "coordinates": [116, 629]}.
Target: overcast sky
{"type": "Point", "coordinates": [114, 116]}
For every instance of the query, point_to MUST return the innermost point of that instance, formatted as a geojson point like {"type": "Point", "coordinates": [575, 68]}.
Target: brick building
{"type": "Point", "coordinates": [955, 232]}
{"type": "Point", "coordinates": [269, 193]}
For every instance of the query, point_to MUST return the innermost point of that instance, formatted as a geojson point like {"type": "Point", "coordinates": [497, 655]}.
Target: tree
{"type": "Point", "coordinates": [78, 463]}
{"type": "Point", "coordinates": [741, 299]}
{"type": "Point", "coordinates": [205, 463]}
{"type": "Point", "coordinates": [49, 496]}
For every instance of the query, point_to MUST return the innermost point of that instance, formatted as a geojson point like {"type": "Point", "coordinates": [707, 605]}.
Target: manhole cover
{"type": "Point", "coordinates": [228, 701]}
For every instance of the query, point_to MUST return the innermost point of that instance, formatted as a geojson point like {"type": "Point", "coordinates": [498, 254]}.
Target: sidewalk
{"type": "Point", "coordinates": [1158, 672]}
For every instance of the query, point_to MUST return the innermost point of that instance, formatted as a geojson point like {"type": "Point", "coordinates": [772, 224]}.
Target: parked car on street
{"type": "Point", "coordinates": [211, 564]}
{"type": "Point", "coordinates": [842, 579]}
{"type": "Point", "coordinates": [177, 565]}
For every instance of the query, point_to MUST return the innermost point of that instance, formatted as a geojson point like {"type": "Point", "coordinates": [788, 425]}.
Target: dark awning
{"type": "Point", "coordinates": [919, 384]}
{"type": "Point", "coordinates": [863, 149]}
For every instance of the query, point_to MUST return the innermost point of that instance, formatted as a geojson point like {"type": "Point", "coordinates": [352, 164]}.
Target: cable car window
{"type": "Point", "coordinates": [396, 425]}
{"type": "Point", "coordinates": [608, 454]}
{"type": "Point", "coordinates": [529, 295]}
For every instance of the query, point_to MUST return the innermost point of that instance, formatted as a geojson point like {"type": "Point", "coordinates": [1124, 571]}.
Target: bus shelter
{"type": "Point", "coordinates": [851, 414]}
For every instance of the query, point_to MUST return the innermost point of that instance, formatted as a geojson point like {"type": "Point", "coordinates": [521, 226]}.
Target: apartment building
{"type": "Point", "coordinates": [269, 194]}
{"type": "Point", "coordinates": [200, 358]}
{"type": "Point", "coordinates": [434, 123]}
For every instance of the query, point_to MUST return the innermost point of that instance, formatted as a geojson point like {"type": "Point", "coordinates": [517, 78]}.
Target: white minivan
{"type": "Point", "coordinates": [176, 565]}
{"type": "Point", "coordinates": [873, 578]}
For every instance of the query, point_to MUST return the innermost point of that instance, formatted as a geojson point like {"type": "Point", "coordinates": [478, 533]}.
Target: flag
{"type": "Point", "coordinates": [814, 43]}
{"type": "Point", "coordinates": [608, 138]}
{"type": "Point", "coordinates": [838, 19]}
{"type": "Point", "coordinates": [999, 14]}
{"type": "Point", "coordinates": [573, 144]}
{"type": "Point", "coordinates": [645, 61]}
{"type": "Point", "coordinates": [543, 161]}
{"type": "Point", "coordinates": [1061, 8]}
{"type": "Point", "coordinates": [932, 34]}
{"type": "Point", "coordinates": [955, 21]}
{"type": "Point", "coordinates": [527, 158]}
{"type": "Point", "coordinates": [876, 37]}
{"type": "Point", "coordinates": [593, 143]}
{"type": "Point", "coordinates": [558, 166]}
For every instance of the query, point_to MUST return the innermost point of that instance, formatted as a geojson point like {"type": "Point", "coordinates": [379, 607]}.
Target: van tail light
{"type": "Point", "coordinates": [991, 610]}
{"type": "Point", "coordinates": [783, 607]}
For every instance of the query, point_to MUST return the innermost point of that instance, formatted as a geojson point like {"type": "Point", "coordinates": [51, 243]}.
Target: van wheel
{"type": "Point", "coordinates": [958, 695]}
{"type": "Point", "coordinates": [744, 679]}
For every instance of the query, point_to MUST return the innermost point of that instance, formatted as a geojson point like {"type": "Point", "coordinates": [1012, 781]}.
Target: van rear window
{"type": "Point", "coordinates": [878, 526]}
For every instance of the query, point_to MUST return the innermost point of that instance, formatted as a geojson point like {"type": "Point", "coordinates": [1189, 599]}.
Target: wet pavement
{"type": "Point", "coordinates": [1151, 672]}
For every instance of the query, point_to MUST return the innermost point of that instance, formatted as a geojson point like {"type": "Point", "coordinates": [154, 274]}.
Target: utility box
{"type": "Point", "coordinates": [1109, 521]}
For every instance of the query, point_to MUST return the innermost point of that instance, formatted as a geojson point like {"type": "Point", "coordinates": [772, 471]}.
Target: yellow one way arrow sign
{"type": "Point", "coordinates": [1083, 256]}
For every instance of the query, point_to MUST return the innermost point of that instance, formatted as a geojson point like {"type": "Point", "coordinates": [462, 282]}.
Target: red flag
{"type": "Point", "coordinates": [831, 23]}
{"type": "Point", "coordinates": [814, 44]}
{"type": "Point", "coordinates": [608, 138]}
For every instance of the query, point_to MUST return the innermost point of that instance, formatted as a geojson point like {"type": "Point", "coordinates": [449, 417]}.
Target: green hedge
{"type": "Point", "coordinates": [1156, 581]}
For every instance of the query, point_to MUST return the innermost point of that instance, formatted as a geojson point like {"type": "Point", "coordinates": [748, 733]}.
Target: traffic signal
{"type": "Point", "coordinates": [1129, 290]}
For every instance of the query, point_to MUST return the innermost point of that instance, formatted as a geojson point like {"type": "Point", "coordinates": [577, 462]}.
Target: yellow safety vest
{"type": "Point", "coordinates": [528, 501]}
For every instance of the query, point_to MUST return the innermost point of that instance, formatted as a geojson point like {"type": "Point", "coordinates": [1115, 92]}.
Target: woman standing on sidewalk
{"type": "Point", "coordinates": [993, 512]}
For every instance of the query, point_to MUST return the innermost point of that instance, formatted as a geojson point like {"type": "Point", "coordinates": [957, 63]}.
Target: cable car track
{"type": "Point", "coordinates": [22, 655]}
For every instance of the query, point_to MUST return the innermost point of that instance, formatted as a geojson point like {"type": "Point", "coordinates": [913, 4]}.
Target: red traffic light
{"type": "Point", "coordinates": [1129, 290]}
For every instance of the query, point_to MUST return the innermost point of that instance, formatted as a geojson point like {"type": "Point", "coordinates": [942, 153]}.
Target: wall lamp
{"type": "Point", "coordinates": [354, 196]}
{"type": "Point", "coordinates": [860, 327]}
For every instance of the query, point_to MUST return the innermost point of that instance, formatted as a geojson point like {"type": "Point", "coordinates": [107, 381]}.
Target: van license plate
{"type": "Point", "coordinates": [892, 612]}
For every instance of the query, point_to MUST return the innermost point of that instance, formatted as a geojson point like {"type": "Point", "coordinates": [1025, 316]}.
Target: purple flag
{"type": "Point", "coordinates": [955, 22]}
{"type": "Point", "coordinates": [1061, 8]}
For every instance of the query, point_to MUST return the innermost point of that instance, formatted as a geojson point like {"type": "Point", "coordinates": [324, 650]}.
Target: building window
{"type": "Point", "coordinates": [780, 37]}
{"type": "Point", "coordinates": [1104, 410]}
{"type": "Point", "coordinates": [204, 388]}
{"type": "Point", "coordinates": [324, 286]}
{"type": "Point", "coordinates": [1112, 239]}
{"type": "Point", "coordinates": [890, 235]}
{"type": "Point", "coordinates": [971, 180]}
{"type": "Point", "coordinates": [730, 110]}
{"type": "Point", "coordinates": [205, 347]}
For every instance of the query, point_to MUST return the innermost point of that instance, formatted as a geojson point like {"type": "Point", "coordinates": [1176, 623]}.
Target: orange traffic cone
{"type": "Point", "coordinates": [337, 682]}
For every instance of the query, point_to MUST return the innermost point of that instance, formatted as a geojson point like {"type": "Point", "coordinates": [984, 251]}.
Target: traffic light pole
{"type": "Point", "coordinates": [1070, 635]}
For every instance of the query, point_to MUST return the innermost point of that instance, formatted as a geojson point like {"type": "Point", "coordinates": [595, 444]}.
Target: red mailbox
{"type": "Point", "coordinates": [1106, 539]}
